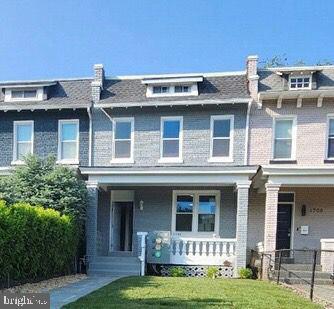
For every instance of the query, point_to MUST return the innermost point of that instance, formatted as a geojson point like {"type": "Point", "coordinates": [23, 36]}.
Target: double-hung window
{"type": "Point", "coordinates": [171, 139]}
{"type": "Point", "coordinates": [68, 141]}
{"type": "Point", "coordinates": [284, 138]}
{"type": "Point", "coordinates": [123, 129]}
{"type": "Point", "coordinates": [330, 142]}
{"type": "Point", "coordinates": [221, 141]}
{"type": "Point", "coordinates": [196, 212]}
{"type": "Point", "coordinates": [23, 140]}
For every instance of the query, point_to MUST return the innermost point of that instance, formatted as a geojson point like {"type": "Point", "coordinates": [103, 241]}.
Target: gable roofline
{"type": "Point", "coordinates": [40, 81]}
{"type": "Point", "coordinates": [177, 75]}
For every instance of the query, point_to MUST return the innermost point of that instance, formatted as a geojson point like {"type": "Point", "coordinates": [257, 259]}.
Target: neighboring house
{"type": "Point", "coordinates": [291, 135]}
{"type": "Point", "coordinates": [44, 118]}
{"type": "Point", "coordinates": [187, 169]}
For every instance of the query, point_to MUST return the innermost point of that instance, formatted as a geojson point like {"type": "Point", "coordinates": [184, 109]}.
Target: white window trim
{"type": "Point", "coordinates": [178, 159]}
{"type": "Point", "coordinates": [123, 160]}
{"type": "Point", "coordinates": [228, 158]}
{"type": "Point", "coordinates": [196, 194]}
{"type": "Point", "coordinates": [9, 98]}
{"type": "Point", "coordinates": [16, 161]}
{"type": "Point", "coordinates": [171, 93]}
{"type": "Point", "coordinates": [301, 76]}
{"type": "Point", "coordinates": [294, 137]}
{"type": "Point", "coordinates": [76, 159]}
{"type": "Point", "coordinates": [329, 117]}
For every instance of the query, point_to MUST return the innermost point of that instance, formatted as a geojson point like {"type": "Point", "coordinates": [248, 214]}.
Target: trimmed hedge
{"type": "Point", "coordinates": [35, 243]}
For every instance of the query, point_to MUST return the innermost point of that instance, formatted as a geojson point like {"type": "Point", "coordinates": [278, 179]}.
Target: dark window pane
{"type": "Point", "coordinates": [283, 128]}
{"type": "Point", "coordinates": [178, 89]}
{"type": "Point", "coordinates": [221, 148]}
{"type": "Point", "coordinates": [221, 128]}
{"type": "Point", "coordinates": [164, 89]}
{"type": "Point", "coordinates": [184, 222]}
{"type": "Point", "coordinates": [171, 129]}
{"type": "Point", "coordinates": [286, 197]}
{"type": "Point", "coordinates": [184, 203]}
{"type": "Point", "coordinates": [331, 148]}
{"type": "Point", "coordinates": [283, 149]}
{"type": "Point", "coordinates": [156, 89]}
{"type": "Point", "coordinates": [206, 223]}
{"type": "Point", "coordinates": [331, 127]}
{"type": "Point", "coordinates": [122, 149]}
{"type": "Point", "coordinates": [30, 93]}
{"type": "Point", "coordinates": [170, 149]}
{"type": "Point", "coordinates": [207, 204]}
{"type": "Point", "coordinates": [123, 130]}
{"type": "Point", "coordinates": [17, 94]}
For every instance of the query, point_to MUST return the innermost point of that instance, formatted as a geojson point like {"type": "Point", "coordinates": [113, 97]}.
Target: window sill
{"type": "Point", "coordinates": [283, 161]}
{"type": "Point", "coordinates": [120, 161]}
{"type": "Point", "coordinates": [170, 160]}
{"type": "Point", "coordinates": [67, 162]}
{"type": "Point", "coordinates": [17, 162]}
{"type": "Point", "coordinates": [220, 160]}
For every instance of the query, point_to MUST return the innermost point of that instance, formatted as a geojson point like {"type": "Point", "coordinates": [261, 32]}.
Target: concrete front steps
{"type": "Point", "coordinates": [302, 274]}
{"type": "Point", "coordinates": [116, 266]}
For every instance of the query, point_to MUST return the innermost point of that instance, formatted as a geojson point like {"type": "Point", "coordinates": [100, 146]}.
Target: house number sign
{"type": "Point", "coordinates": [316, 210]}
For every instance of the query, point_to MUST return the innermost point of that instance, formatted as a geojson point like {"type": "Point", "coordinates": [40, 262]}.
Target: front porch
{"type": "Point", "coordinates": [189, 218]}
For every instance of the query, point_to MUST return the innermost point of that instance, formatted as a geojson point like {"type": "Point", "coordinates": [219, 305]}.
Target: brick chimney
{"type": "Point", "coordinates": [252, 76]}
{"type": "Point", "coordinates": [97, 84]}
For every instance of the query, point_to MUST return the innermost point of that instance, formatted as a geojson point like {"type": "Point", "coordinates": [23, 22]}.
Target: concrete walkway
{"type": "Point", "coordinates": [72, 292]}
{"type": "Point", "coordinates": [324, 292]}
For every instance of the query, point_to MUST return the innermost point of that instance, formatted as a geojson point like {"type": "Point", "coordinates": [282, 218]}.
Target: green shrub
{"type": "Point", "coordinates": [35, 242]}
{"type": "Point", "coordinates": [177, 271]}
{"type": "Point", "coordinates": [212, 272]}
{"type": "Point", "coordinates": [245, 273]}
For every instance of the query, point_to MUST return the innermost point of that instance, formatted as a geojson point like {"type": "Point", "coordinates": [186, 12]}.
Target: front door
{"type": "Point", "coordinates": [283, 236]}
{"type": "Point", "coordinates": [122, 226]}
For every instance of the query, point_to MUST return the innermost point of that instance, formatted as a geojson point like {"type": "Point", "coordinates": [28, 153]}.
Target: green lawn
{"type": "Point", "coordinates": [157, 292]}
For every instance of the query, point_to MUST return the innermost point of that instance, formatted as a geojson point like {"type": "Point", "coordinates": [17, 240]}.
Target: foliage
{"type": "Point", "coordinates": [35, 242]}
{"type": "Point", "coordinates": [42, 182]}
{"type": "Point", "coordinates": [177, 271]}
{"type": "Point", "coordinates": [282, 61]}
{"type": "Point", "coordinates": [212, 272]}
{"type": "Point", "coordinates": [245, 273]}
{"type": "Point", "coordinates": [165, 292]}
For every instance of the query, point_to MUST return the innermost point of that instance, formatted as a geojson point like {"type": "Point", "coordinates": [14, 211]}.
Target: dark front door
{"type": "Point", "coordinates": [283, 237]}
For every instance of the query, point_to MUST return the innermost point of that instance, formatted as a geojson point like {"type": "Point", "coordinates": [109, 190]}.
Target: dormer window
{"type": "Point", "coordinates": [24, 94]}
{"type": "Point", "coordinates": [300, 82]}
{"type": "Point", "coordinates": [172, 86]}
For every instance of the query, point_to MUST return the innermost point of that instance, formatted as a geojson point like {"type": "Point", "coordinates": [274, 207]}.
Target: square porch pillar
{"type": "Point", "coordinates": [91, 221]}
{"type": "Point", "coordinates": [270, 224]}
{"type": "Point", "coordinates": [241, 230]}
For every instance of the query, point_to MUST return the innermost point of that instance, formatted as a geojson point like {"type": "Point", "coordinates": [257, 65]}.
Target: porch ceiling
{"type": "Point", "coordinates": [217, 175]}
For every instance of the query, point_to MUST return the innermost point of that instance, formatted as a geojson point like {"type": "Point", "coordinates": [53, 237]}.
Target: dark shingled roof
{"type": "Point", "coordinates": [212, 88]}
{"type": "Point", "coordinates": [64, 94]}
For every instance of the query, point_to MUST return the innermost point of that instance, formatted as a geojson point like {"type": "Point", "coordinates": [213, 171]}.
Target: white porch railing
{"type": "Point", "coordinates": [202, 251]}
{"type": "Point", "coordinates": [142, 255]}
{"type": "Point", "coordinates": [327, 255]}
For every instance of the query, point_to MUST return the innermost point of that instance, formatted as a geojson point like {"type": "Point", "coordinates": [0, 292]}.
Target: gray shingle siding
{"type": "Point", "coordinates": [45, 132]}
{"type": "Point", "coordinates": [196, 133]}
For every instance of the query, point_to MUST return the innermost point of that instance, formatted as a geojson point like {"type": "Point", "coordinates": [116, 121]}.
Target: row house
{"type": "Point", "coordinates": [186, 169]}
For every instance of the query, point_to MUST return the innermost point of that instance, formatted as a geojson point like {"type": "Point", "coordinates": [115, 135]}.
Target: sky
{"type": "Point", "coordinates": [64, 38]}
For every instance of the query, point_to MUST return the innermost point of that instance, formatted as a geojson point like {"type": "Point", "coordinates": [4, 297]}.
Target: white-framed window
{"type": "Point", "coordinates": [330, 137]}
{"type": "Point", "coordinates": [123, 140]}
{"type": "Point", "coordinates": [196, 212]}
{"type": "Point", "coordinates": [284, 138]}
{"type": "Point", "coordinates": [300, 82]}
{"type": "Point", "coordinates": [171, 139]}
{"type": "Point", "coordinates": [23, 94]}
{"type": "Point", "coordinates": [172, 90]}
{"type": "Point", "coordinates": [221, 138]}
{"type": "Point", "coordinates": [23, 140]}
{"type": "Point", "coordinates": [68, 141]}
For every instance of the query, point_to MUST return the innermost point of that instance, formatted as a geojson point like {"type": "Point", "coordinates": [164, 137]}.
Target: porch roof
{"type": "Point", "coordinates": [288, 176]}
{"type": "Point", "coordinates": [169, 175]}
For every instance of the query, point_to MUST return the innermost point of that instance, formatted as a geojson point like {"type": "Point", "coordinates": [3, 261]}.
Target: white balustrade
{"type": "Point", "coordinates": [202, 251]}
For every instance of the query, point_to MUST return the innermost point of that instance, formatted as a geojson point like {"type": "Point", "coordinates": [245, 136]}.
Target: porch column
{"type": "Point", "coordinates": [242, 218]}
{"type": "Point", "coordinates": [91, 220]}
{"type": "Point", "coordinates": [270, 224]}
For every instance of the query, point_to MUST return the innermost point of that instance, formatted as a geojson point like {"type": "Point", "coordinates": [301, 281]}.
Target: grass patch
{"type": "Point", "coordinates": [158, 292]}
